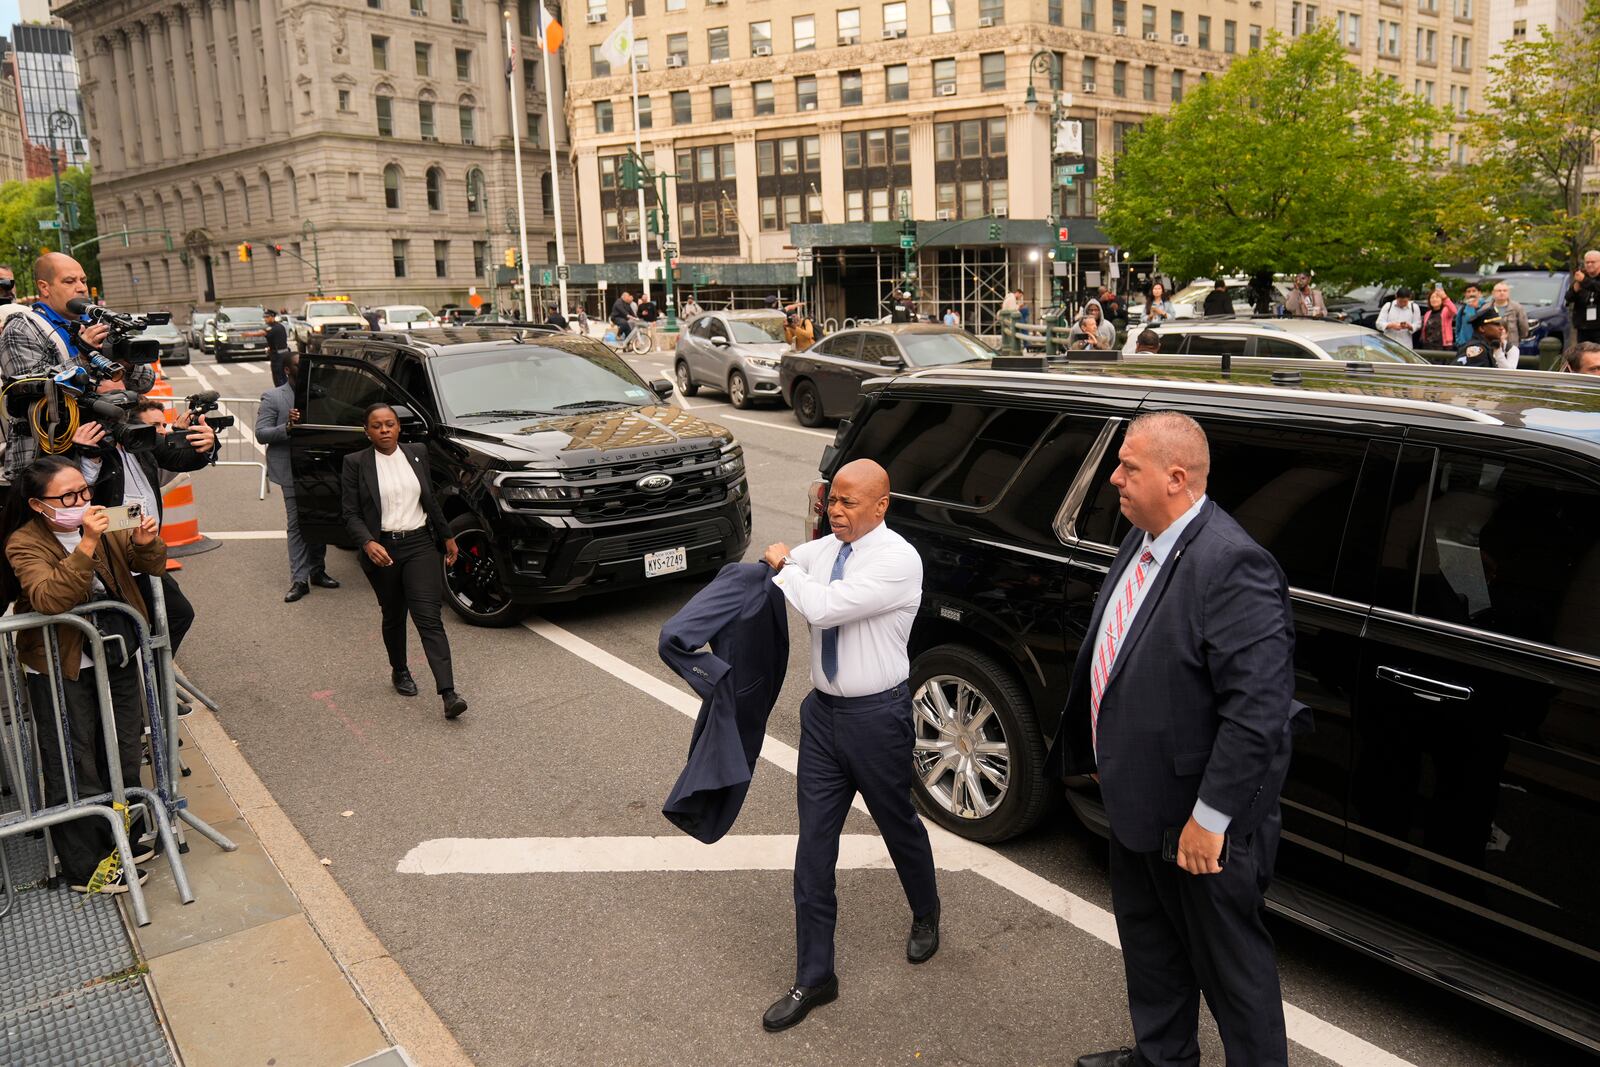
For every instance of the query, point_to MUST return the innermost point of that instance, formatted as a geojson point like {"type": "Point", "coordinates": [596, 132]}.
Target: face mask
{"type": "Point", "coordinates": [71, 518]}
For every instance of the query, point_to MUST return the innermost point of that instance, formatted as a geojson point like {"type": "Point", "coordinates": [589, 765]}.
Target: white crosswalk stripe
{"type": "Point", "coordinates": [253, 368]}
{"type": "Point", "coordinates": [220, 371]}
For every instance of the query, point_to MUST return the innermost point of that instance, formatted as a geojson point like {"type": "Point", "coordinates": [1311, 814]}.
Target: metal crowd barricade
{"type": "Point", "coordinates": [239, 447]}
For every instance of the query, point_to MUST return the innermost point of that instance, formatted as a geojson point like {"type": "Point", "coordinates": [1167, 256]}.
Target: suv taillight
{"type": "Point", "coordinates": [817, 510]}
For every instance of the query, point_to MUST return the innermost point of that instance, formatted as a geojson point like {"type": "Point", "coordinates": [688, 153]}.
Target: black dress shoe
{"type": "Point", "coordinates": [296, 591]}
{"type": "Point", "coordinates": [454, 704]}
{"type": "Point", "coordinates": [404, 684]}
{"type": "Point", "coordinates": [1120, 1057]}
{"type": "Point", "coordinates": [924, 939]}
{"type": "Point", "coordinates": [323, 580]}
{"type": "Point", "coordinates": [796, 1004]}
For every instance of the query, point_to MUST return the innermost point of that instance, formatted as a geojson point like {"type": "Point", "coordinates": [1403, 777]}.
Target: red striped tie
{"type": "Point", "coordinates": [1116, 620]}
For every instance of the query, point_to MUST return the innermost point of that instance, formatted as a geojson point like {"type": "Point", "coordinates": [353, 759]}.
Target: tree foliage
{"type": "Point", "coordinates": [23, 204]}
{"type": "Point", "coordinates": [1520, 200]}
{"type": "Point", "coordinates": [1292, 160]}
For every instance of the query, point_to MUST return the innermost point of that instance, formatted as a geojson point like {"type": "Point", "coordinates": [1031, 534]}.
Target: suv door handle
{"type": "Point", "coordinates": [1428, 688]}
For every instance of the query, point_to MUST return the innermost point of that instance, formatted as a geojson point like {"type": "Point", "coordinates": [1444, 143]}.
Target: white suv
{"type": "Point", "coordinates": [319, 317]}
{"type": "Point", "coordinates": [1275, 339]}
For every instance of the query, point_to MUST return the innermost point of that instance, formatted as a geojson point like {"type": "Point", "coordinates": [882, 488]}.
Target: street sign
{"type": "Point", "coordinates": [562, 271]}
{"type": "Point", "coordinates": [1075, 168]}
{"type": "Point", "coordinates": [908, 241]}
{"type": "Point", "coordinates": [49, 224]}
{"type": "Point", "coordinates": [804, 266]}
{"type": "Point", "coordinates": [546, 278]}
{"type": "Point", "coordinates": [669, 250]}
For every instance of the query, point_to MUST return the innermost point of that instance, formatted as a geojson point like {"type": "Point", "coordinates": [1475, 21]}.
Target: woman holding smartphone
{"type": "Point", "coordinates": [60, 552]}
{"type": "Point", "coordinates": [400, 530]}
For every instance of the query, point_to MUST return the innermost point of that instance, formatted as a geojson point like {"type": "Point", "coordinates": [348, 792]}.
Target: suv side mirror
{"type": "Point", "coordinates": [662, 388]}
{"type": "Point", "coordinates": [412, 425]}
{"type": "Point", "coordinates": [888, 360]}
{"type": "Point", "coordinates": [720, 341]}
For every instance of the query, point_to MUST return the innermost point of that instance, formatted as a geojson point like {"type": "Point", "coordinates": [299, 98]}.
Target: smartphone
{"type": "Point", "coordinates": [125, 516]}
{"type": "Point", "coordinates": [1169, 847]}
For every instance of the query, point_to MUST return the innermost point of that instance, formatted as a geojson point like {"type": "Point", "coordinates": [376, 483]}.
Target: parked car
{"type": "Point", "coordinates": [1436, 525]}
{"type": "Point", "coordinates": [561, 471]}
{"type": "Point", "coordinates": [1277, 339]}
{"type": "Point", "coordinates": [240, 332]}
{"type": "Point", "coordinates": [1189, 302]}
{"type": "Point", "coordinates": [319, 318]}
{"type": "Point", "coordinates": [200, 330]}
{"type": "Point", "coordinates": [824, 381]}
{"type": "Point", "coordinates": [174, 346]}
{"type": "Point", "coordinates": [405, 317]}
{"type": "Point", "coordinates": [736, 352]}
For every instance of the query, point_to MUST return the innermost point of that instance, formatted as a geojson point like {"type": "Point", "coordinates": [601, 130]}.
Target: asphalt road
{"type": "Point", "coordinates": [576, 731]}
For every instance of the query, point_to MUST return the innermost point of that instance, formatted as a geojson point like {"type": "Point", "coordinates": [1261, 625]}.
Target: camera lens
{"type": "Point", "coordinates": [8, 283]}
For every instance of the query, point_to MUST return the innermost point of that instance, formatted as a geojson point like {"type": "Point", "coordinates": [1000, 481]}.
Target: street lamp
{"type": "Point", "coordinates": [1045, 62]}
{"type": "Point", "coordinates": [67, 123]}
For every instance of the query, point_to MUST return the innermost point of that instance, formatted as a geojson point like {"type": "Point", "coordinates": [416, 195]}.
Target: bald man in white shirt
{"type": "Point", "coordinates": [859, 590]}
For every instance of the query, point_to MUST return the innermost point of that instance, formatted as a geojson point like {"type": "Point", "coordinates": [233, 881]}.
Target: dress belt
{"type": "Point", "coordinates": [893, 693]}
{"type": "Point", "coordinates": [400, 535]}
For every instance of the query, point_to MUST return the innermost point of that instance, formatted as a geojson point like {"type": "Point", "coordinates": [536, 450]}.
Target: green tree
{"type": "Point", "coordinates": [1292, 160]}
{"type": "Point", "coordinates": [23, 204]}
{"type": "Point", "coordinates": [1521, 199]}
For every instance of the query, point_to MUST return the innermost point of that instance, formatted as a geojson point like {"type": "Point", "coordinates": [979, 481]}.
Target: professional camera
{"type": "Point", "coordinates": [205, 403]}
{"type": "Point", "coordinates": [122, 343]}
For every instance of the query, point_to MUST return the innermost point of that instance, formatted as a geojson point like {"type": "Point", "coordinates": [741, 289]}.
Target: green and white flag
{"type": "Point", "coordinates": [619, 46]}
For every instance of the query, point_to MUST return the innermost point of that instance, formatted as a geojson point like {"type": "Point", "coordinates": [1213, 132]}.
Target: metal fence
{"type": "Point", "coordinates": [239, 447]}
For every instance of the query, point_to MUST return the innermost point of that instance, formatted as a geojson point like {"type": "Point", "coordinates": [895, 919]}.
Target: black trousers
{"type": "Point", "coordinates": [413, 583]}
{"type": "Point", "coordinates": [180, 613]}
{"type": "Point", "coordinates": [279, 357]}
{"type": "Point", "coordinates": [82, 843]}
{"type": "Point", "coordinates": [1184, 935]}
{"type": "Point", "coordinates": [850, 745]}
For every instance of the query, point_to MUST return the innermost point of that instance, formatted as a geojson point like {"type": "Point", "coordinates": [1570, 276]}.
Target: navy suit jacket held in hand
{"type": "Point", "coordinates": [1201, 697]}
{"type": "Point", "coordinates": [742, 616]}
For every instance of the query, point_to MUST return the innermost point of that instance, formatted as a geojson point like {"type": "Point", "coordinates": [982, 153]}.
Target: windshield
{"type": "Point", "coordinates": [762, 331]}
{"type": "Point", "coordinates": [1368, 348]}
{"type": "Point", "coordinates": [1532, 290]}
{"type": "Point", "coordinates": [533, 379]}
{"type": "Point", "coordinates": [329, 311]}
{"type": "Point", "coordinates": [418, 314]}
{"type": "Point", "coordinates": [242, 316]}
{"type": "Point", "coordinates": [942, 349]}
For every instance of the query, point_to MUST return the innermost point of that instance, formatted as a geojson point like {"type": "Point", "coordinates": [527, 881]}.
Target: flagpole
{"type": "Point", "coordinates": [638, 150]}
{"type": "Point", "coordinates": [516, 153]}
{"type": "Point", "coordinates": [555, 172]}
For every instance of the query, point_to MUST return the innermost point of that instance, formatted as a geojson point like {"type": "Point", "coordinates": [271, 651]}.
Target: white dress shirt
{"type": "Point", "coordinates": [873, 605]}
{"type": "Point", "coordinates": [399, 492]}
{"type": "Point", "coordinates": [1393, 313]}
{"type": "Point", "coordinates": [1160, 547]}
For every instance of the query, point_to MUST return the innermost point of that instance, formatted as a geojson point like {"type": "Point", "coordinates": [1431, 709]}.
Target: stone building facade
{"type": "Point", "coordinates": [13, 167]}
{"type": "Point", "coordinates": [370, 138]}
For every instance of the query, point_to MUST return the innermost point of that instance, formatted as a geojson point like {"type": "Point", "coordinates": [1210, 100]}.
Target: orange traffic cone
{"type": "Point", "coordinates": [180, 526]}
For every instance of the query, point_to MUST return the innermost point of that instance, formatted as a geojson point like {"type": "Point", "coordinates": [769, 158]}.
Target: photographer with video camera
{"type": "Point", "coordinates": [126, 469]}
{"type": "Point", "coordinates": [56, 332]}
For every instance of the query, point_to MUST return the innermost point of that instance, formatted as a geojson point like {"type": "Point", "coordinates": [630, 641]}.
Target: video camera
{"type": "Point", "coordinates": [122, 345]}
{"type": "Point", "coordinates": [204, 403]}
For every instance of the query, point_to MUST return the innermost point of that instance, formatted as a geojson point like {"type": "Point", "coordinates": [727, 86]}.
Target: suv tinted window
{"type": "Point", "coordinates": [1509, 547]}
{"type": "Point", "coordinates": [1172, 343]}
{"type": "Point", "coordinates": [962, 454]}
{"type": "Point", "coordinates": [338, 394]}
{"type": "Point", "coordinates": [1281, 348]}
{"type": "Point", "coordinates": [1217, 344]}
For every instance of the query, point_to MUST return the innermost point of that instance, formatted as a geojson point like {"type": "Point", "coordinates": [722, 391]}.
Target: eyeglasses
{"type": "Point", "coordinates": [67, 500]}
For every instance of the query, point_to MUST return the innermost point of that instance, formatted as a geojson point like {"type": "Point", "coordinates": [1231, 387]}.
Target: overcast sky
{"type": "Point", "coordinates": [8, 16]}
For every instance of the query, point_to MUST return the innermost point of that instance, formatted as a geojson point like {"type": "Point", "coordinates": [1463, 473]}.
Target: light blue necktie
{"type": "Point", "coordinates": [830, 634]}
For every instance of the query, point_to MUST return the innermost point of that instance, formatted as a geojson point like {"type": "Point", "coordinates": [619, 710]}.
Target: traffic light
{"type": "Point", "coordinates": [1062, 236]}
{"type": "Point", "coordinates": [244, 251]}
{"type": "Point", "coordinates": [996, 231]}
{"type": "Point", "coordinates": [630, 174]}
{"type": "Point", "coordinates": [511, 257]}
{"type": "Point", "coordinates": [653, 221]}
{"type": "Point", "coordinates": [277, 250]}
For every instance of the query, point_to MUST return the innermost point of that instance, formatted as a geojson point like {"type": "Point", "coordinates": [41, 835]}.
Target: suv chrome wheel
{"type": "Point", "coordinates": [960, 752]}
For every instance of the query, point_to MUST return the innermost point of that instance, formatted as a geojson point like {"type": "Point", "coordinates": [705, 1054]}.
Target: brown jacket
{"type": "Point", "coordinates": [54, 582]}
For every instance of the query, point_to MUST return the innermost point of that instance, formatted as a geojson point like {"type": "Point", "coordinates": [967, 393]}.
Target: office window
{"type": "Point", "coordinates": [877, 148]}
{"type": "Point", "coordinates": [849, 88]}
{"type": "Point", "coordinates": [391, 187]}
{"type": "Point", "coordinates": [424, 55]}
{"type": "Point", "coordinates": [810, 156]}
{"type": "Point", "coordinates": [376, 5]}
{"type": "Point", "coordinates": [678, 48]}
{"type": "Point", "coordinates": [944, 74]}
{"type": "Point", "coordinates": [344, 99]}
{"type": "Point", "coordinates": [385, 108]}
{"type": "Point", "coordinates": [599, 65]}
{"type": "Point", "coordinates": [1177, 87]}
{"type": "Point", "coordinates": [944, 141]}
{"type": "Point", "coordinates": [434, 181]}
{"type": "Point", "coordinates": [458, 12]}
{"type": "Point", "coordinates": [682, 110]}
{"type": "Point", "coordinates": [644, 114]}
{"type": "Point", "coordinates": [894, 18]}
{"type": "Point", "coordinates": [398, 248]}
{"type": "Point", "coordinates": [480, 258]}
{"type": "Point", "coordinates": [1202, 31]}
{"type": "Point", "coordinates": [993, 66]}
{"type": "Point", "coordinates": [879, 200]}
{"type": "Point", "coordinates": [999, 198]}
{"type": "Point", "coordinates": [1090, 68]}
{"type": "Point", "coordinates": [761, 94]}
{"type": "Point", "coordinates": [805, 33]}
{"type": "Point", "coordinates": [722, 102]}
{"type": "Point", "coordinates": [468, 125]}
{"type": "Point", "coordinates": [1119, 78]}
{"type": "Point", "coordinates": [1078, 199]}
{"type": "Point", "coordinates": [463, 64]}
{"type": "Point", "coordinates": [805, 93]}
{"type": "Point", "coordinates": [1119, 14]}
{"type": "Point", "coordinates": [971, 134]}
{"type": "Point", "coordinates": [769, 213]}
{"type": "Point", "coordinates": [767, 158]}
{"type": "Point", "coordinates": [1348, 30]}
{"type": "Point", "coordinates": [944, 201]}
{"type": "Point", "coordinates": [686, 217]}
{"type": "Point", "coordinates": [717, 44]}
{"type": "Point", "coordinates": [760, 37]}
{"type": "Point", "coordinates": [603, 122]}
{"type": "Point", "coordinates": [1086, 15]}
{"type": "Point", "coordinates": [944, 19]}
{"type": "Point", "coordinates": [1230, 36]}
{"type": "Point", "coordinates": [380, 53]}
{"type": "Point", "coordinates": [1055, 12]}
{"type": "Point", "coordinates": [971, 200]}
{"type": "Point", "coordinates": [900, 144]}
{"type": "Point", "coordinates": [676, 5]}
{"type": "Point", "coordinates": [1177, 24]}
{"type": "Point", "coordinates": [441, 259]}
{"type": "Point", "coordinates": [705, 164]}
{"type": "Point", "coordinates": [789, 156]}
{"type": "Point", "coordinates": [418, 7]}
{"type": "Point", "coordinates": [598, 7]}
{"type": "Point", "coordinates": [851, 143]}
{"type": "Point", "coordinates": [477, 197]}
{"type": "Point", "coordinates": [1149, 83]}
{"type": "Point", "coordinates": [897, 82]}
{"type": "Point", "coordinates": [710, 217]}
{"type": "Point", "coordinates": [993, 10]}
{"type": "Point", "coordinates": [850, 25]}
{"type": "Point", "coordinates": [1255, 38]}
{"type": "Point", "coordinates": [641, 53]}
{"type": "Point", "coordinates": [425, 124]}
{"type": "Point", "coordinates": [1147, 16]}
{"type": "Point", "coordinates": [535, 130]}
{"type": "Point", "coordinates": [855, 209]}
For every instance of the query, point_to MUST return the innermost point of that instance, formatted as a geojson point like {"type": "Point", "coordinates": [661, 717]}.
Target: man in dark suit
{"type": "Point", "coordinates": [277, 348]}
{"type": "Point", "coordinates": [1181, 701]}
{"type": "Point", "coordinates": [274, 416]}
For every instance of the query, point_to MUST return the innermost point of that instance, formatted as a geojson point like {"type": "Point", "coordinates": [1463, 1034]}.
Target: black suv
{"type": "Point", "coordinates": [1439, 531]}
{"type": "Point", "coordinates": [562, 472]}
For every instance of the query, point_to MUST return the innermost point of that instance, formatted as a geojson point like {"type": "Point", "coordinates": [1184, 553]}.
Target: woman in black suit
{"type": "Point", "coordinates": [391, 513]}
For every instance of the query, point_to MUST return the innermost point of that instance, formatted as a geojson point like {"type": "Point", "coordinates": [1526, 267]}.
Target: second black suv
{"type": "Point", "coordinates": [1438, 527]}
{"type": "Point", "coordinates": [562, 472]}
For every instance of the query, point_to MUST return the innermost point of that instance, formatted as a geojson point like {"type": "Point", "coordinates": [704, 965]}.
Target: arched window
{"type": "Point", "coordinates": [222, 202]}
{"type": "Point", "coordinates": [546, 195]}
{"type": "Point", "coordinates": [435, 189]}
{"type": "Point", "coordinates": [266, 192]}
{"type": "Point", "coordinates": [391, 187]}
{"type": "Point", "coordinates": [294, 191]}
{"type": "Point", "coordinates": [476, 200]}
{"type": "Point", "coordinates": [244, 200]}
